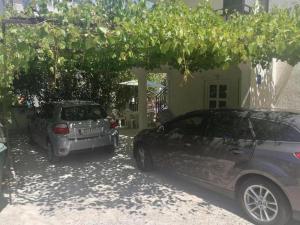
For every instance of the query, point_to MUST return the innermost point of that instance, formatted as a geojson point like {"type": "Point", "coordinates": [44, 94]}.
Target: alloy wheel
{"type": "Point", "coordinates": [261, 203]}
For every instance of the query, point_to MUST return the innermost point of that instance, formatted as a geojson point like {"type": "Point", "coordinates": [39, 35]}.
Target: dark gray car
{"type": "Point", "coordinates": [253, 156]}
{"type": "Point", "coordinates": [70, 126]}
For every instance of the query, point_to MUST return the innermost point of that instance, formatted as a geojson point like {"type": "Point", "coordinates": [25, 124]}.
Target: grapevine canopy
{"type": "Point", "coordinates": [100, 40]}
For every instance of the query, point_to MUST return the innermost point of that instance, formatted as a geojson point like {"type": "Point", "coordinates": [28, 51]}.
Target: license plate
{"type": "Point", "coordinates": [88, 131]}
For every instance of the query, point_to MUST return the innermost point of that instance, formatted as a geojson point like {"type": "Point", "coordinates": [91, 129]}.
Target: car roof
{"type": "Point", "coordinates": [291, 118]}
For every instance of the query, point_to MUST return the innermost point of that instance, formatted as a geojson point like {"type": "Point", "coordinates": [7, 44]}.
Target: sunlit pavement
{"type": "Point", "coordinates": [100, 188]}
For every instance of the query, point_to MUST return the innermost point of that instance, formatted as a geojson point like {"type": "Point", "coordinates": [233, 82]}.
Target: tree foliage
{"type": "Point", "coordinates": [69, 55]}
{"type": "Point", "coordinates": [195, 39]}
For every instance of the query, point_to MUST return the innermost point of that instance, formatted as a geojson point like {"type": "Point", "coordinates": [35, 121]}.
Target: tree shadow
{"type": "Point", "coordinates": [93, 180]}
{"type": "Point", "coordinates": [102, 181]}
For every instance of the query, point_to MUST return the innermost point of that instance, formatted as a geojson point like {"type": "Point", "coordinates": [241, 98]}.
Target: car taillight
{"type": "Point", "coordinates": [61, 128]}
{"type": "Point", "coordinates": [113, 124]}
{"type": "Point", "coordinates": [297, 155]}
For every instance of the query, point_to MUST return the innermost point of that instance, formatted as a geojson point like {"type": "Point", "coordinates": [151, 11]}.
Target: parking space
{"type": "Point", "coordinates": [100, 188]}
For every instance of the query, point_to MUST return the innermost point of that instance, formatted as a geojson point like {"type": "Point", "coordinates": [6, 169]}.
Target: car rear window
{"type": "Point", "coordinates": [274, 131]}
{"type": "Point", "coordinates": [82, 112]}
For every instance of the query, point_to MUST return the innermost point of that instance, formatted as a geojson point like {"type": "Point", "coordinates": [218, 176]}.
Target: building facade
{"type": "Point", "coordinates": [241, 85]}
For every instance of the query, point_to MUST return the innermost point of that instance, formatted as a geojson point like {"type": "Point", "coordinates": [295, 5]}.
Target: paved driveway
{"type": "Point", "coordinates": [98, 188]}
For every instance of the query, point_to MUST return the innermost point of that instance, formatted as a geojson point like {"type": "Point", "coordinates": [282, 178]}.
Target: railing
{"type": "Point", "coordinates": [161, 100]}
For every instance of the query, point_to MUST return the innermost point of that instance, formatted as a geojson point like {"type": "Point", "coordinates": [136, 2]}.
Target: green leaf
{"type": "Point", "coordinates": [179, 60]}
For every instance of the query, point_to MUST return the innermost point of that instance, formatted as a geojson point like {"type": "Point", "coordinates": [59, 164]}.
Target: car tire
{"type": "Point", "coordinates": [143, 158]}
{"type": "Point", "coordinates": [264, 202]}
{"type": "Point", "coordinates": [52, 158]}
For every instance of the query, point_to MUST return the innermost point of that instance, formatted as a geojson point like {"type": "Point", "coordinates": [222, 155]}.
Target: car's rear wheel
{"type": "Point", "coordinates": [264, 202]}
{"type": "Point", "coordinates": [143, 158]}
{"type": "Point", "coordinates": [52, 158]}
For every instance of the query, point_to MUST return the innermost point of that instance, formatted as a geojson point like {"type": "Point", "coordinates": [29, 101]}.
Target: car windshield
{"type": "Point", "coordinates": [82, 112]}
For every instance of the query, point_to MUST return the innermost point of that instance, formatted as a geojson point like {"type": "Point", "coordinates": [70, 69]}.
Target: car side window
{"type": "Point", "coordinates": [228, 125]}
{"type": "Point", "coordinates": [289, 134]}
{"type": "Point", "coordinates": [274, 131]}
{"type": "Point", "coordinates": [187, 125]}
{"type": "Point", "coordinates": [243, 129]}
{"type": "Point", "coordinates": [220, 125]}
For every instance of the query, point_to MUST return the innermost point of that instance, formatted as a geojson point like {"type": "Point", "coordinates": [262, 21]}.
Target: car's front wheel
{"type": "Point", "coordinates": [264, 202]}
{"type": "Point", "coordinates": [143, 158]}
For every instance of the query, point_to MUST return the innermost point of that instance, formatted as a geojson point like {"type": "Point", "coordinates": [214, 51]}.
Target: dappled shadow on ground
{"type": "Point", "coordinates": [100, 181]}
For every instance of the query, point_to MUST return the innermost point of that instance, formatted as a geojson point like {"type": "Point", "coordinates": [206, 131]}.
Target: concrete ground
{"type": "Point", "coordinates": [99, 188]}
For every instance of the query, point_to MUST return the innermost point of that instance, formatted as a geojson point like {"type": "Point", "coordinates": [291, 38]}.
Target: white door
{"type": "Point", "coordinates": [221, 94]}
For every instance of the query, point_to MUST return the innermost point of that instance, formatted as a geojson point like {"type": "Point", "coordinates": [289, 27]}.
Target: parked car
{"type": "Point", "coordinates": [253, 156]}
{"type": "Point", "coordinates": [69, 126]}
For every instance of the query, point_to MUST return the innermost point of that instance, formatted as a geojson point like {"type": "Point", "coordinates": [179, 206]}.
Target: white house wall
{"type": "Point", "coordinates": [289, 97]}
{"type": "Point", "coordinates": [262, 95]}
{"type": "Point", "coordinates": [185, 96]}
{"type": "Point", "coordinates": [281, 74]}
{"type": "Point", "coordinates": [279, 89]}
{"type": "Point", "coordinates": [244, 86]}
{"type": "Point", "coordinates": [218, 4]}
{"type": "Point", "coordinates": [283, 3]}
{"type": "Point", "coordinates": [276, 3]}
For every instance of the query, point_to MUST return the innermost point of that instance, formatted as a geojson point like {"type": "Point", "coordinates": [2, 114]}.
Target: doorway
{"type": "Point", "coordinates": [221, 94]}
{"type": "Point", "coordinates": [217, 96]}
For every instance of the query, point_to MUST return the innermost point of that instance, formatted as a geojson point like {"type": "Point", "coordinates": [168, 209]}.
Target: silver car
{"type": "Point", "coordinates": [71, 126]}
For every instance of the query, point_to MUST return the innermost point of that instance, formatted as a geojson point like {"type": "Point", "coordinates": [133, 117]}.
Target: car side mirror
{"type": "Point", "coordinates": [161, 129]}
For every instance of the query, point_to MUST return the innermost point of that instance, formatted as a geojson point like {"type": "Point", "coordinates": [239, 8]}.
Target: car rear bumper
{"type": "Point", "coordinates": [64, 146]}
